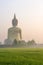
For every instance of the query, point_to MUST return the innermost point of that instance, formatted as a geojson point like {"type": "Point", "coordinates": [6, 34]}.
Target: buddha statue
{"type": "Point", "coordinates": [14, 32]}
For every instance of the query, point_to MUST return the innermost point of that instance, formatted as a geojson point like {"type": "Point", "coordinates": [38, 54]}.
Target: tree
{"type": "Point", "coordinates": [15, 42]}
{"type": "Point", "coordinates": [31, 42]}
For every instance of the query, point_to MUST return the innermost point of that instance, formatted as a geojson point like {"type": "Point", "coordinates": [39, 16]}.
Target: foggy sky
{"type": "Point", "coordinates": [30, 18]}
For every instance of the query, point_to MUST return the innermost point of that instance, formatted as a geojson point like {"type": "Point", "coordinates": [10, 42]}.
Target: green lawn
{"type": "Point", "coordinates": [21, 56]}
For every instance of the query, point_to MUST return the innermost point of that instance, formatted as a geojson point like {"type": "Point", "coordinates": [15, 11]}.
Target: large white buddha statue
{"type": "Point", "coordinates": [14, 32]}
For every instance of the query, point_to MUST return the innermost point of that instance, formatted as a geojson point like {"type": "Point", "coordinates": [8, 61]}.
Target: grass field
{"type": "Point", "coordinates": [21, 56]}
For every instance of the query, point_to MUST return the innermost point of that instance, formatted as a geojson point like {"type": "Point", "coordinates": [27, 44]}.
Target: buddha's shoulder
{"type": "Point", "coordinates": [14, 28]}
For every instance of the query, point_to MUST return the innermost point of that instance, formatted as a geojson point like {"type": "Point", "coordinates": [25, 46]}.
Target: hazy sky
{"type": "Point", "coordinates": [29, 14]}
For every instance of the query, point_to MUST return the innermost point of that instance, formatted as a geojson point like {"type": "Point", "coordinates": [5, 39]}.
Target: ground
{"type": "Point", "coordinates": [21, 56]}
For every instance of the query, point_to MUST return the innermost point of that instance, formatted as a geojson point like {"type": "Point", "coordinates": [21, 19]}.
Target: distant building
{"type": "Point", "coordinates": [7, 42]}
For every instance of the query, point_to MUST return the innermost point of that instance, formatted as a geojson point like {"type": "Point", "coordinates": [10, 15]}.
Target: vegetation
{"type": "Point", "coordinates": [32, 42]}
{"type": "Point", "coordinates": [21, 56]}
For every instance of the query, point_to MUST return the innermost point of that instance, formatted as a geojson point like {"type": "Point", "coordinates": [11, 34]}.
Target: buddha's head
{"type": "Point", "coordinates": [14, 21]}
